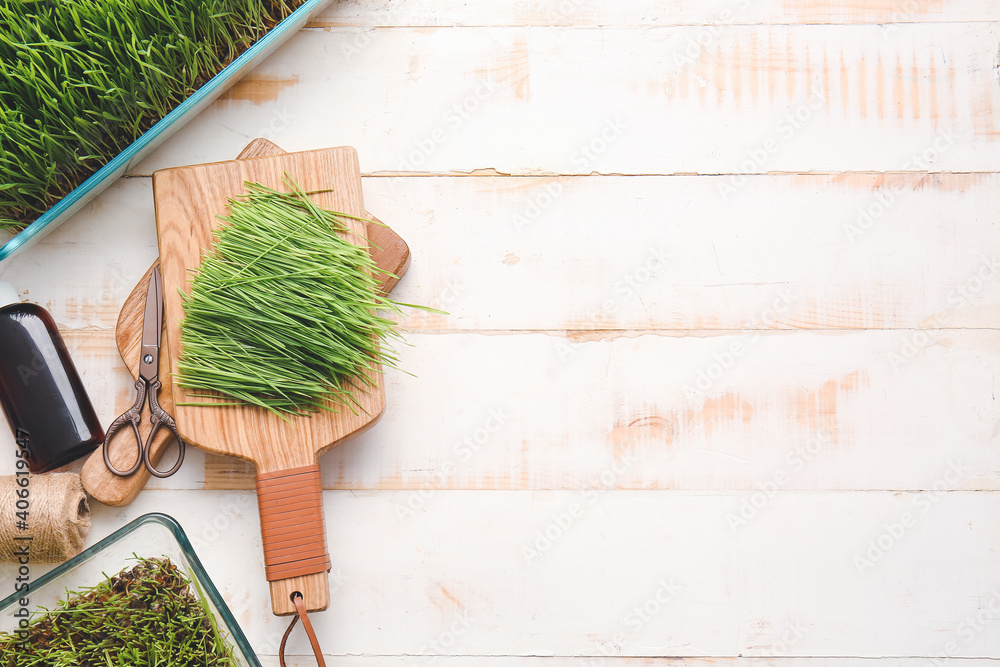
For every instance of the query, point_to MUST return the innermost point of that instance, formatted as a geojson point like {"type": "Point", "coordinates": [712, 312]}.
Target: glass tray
{"type": "Point", "coordinates": [150, 535]}
{"type": "Point", "coordinates": [156, 135]}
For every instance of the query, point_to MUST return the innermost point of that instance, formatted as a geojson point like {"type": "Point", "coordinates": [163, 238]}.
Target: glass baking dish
{"type": "Point", "coordinates": [150, 535]}
{"type": "Point", "coordinates": [167, 125]}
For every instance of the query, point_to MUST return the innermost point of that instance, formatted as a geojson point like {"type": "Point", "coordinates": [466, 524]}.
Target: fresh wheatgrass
{"type": "Point", "coordinates": [147, 615]}
{"type": "Point", "coordinates": [81, 79]}
{"type": "Point", "coordinates": [283, 312]}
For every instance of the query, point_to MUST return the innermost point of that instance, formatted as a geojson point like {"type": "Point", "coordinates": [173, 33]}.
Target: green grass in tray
{"type": "Point", "coordinates": [283, 312]}
{"type": "Point", "coordinates": [82, 79]}
{"type": "Point", "coordinates": [147, 615]}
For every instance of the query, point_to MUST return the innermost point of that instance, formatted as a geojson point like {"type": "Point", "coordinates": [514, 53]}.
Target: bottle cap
{"type": "Point", "coordinates": [8, 295]}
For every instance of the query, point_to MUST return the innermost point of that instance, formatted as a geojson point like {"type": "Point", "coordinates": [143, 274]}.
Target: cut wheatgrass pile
{"type": "Point", "coordinates": [82, 79]}
{"type": "Point", "coordinates": [283, 312]}
{"type": "Point", "coordinates": [146, 615]}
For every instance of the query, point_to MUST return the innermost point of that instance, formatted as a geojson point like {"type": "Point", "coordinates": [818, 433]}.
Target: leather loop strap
{"type": "Point", "coordinates": [307, 626]}
{"type": "Point", "coordinates": [290, 503]}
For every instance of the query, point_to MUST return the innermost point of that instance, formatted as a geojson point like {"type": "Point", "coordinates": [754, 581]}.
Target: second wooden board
{"type": "Point", "coordinates": [391, 255]}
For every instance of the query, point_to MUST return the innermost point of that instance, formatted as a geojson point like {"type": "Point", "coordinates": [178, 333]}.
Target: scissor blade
{"type": "Point", "coordinates": [152, 324]}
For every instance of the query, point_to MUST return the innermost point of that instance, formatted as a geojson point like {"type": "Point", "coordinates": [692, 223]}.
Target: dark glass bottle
{"type": "Point", "coordinates": [41, 392]}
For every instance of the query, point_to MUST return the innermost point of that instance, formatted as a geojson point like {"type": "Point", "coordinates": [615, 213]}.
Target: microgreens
{"type": "Point", "coordinates": [145, 615]}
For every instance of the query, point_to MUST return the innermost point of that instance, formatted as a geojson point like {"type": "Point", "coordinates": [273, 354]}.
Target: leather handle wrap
{"type": "Point", "coordinates": [291, 523]}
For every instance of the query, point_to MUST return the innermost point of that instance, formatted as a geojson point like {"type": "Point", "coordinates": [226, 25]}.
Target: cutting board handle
{"type": "Point", "coordinates": [296, 559]}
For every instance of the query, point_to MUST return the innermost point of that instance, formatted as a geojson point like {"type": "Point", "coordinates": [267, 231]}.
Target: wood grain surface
{"type": "Point", "coordinates": [365, 14]}
{"type": "Point", "coordinates": [867, 401]}
{"type": "Point", "coordinates": [650, 574]}
{"type": "Point", "coordinates": [647, 99]}
{"type": "Point", "coordinates": [391, 255]}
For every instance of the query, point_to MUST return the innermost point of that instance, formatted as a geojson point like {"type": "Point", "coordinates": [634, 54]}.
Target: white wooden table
{"type": "Point", "coordinates": [718, 379]}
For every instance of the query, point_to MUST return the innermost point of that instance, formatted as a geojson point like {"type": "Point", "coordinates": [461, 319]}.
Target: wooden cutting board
{"type": "Point", "coordinates": [390, 253]}
{"type": "Point", "coordinates": [187, 201]}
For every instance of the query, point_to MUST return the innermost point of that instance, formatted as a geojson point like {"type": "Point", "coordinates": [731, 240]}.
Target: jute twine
{"type": "Point", "coordinates": [58, 518]}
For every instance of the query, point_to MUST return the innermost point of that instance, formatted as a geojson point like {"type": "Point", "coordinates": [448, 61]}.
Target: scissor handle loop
{"type": "Point", "coordinates": [158, 417]}
{"type": "Point", "coordinates": [130, 416]}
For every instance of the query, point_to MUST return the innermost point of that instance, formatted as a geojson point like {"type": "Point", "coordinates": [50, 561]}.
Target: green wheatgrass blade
{"type": "Point", "coordinates": [81, 79]}
{"type": "Point", "coordinates": [282, 313]}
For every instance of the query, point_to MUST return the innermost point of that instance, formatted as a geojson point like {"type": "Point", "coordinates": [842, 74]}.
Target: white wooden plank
{"type": "Point", "coordinates": [369, 13]}
{"type": "Point", "coordinates": [642, 253]}
{"type": "Point", "coordinates": [448, 100]}
{"type": "Point", "coordinates": [786, 412]}
{"type": "Point", "coordinates": [602, 661]}
{"type": "Point", "coordinates": [804, 411]}
{"type": "Point", "coordinates": [408, 588]}
{"type": "Point", "coordinates": [824, 412]}
{"type": "Point", "coordinates": [845, 251]}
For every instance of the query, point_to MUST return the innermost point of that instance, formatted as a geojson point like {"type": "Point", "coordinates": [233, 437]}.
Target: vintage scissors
{"type": "Point", "coordinates": [148, 385]}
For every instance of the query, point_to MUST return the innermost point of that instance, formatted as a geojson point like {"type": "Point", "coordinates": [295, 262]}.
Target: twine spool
{"type": "Point", "coordinates": [58, 518]}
